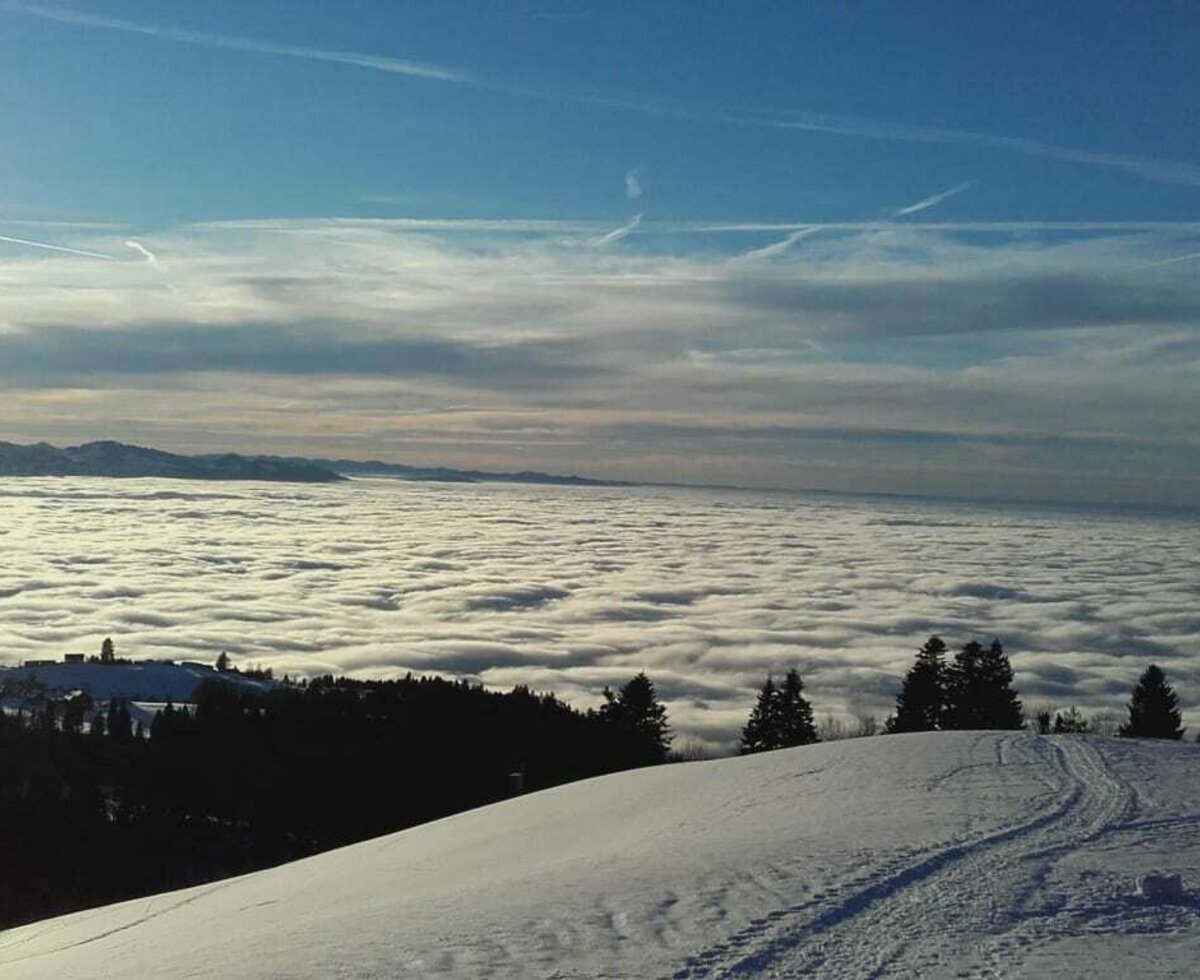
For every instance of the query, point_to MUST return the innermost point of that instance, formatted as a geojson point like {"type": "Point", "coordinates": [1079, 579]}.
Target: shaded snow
{"type": "Point", "coordinates": [152, 681]}
{"type": "Point", "coordinates": [953, 855]}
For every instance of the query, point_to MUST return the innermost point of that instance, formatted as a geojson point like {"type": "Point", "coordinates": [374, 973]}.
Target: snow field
{"type": "Point", "coordinates": [965, 855]}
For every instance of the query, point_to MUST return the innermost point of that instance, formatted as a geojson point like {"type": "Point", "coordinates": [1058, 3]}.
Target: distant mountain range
{"type": "Point", "coordinates": [441, 474]}
{"type": "Point", "coordinates": [119, 459]}
{"type": "Point", "coordinates": [109, 458]}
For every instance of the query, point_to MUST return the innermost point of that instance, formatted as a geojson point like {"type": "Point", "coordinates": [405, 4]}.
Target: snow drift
{"type": "Point", "coordinates": [934, 855]}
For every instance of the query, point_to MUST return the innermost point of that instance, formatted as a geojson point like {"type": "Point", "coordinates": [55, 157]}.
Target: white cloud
{"type": "Point", "coordinates": [571, 589]}
{"type": "Point", "coordinates": [1015, 361]}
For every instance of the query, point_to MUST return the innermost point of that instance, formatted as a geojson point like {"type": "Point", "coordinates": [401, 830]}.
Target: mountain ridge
{"type": "Point", "coordinates": [116, 459]}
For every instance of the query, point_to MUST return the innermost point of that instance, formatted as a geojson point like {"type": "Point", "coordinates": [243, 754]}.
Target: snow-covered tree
{"type": "Point", "coordinates": [1153, 708]}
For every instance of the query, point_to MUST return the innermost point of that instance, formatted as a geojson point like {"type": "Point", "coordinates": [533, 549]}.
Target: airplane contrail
{"type": "Point", "coordinates": [139, 247]}
{"type": "Point", "coordinates": [59, 248]}
{"type": "Point", "coordinates": [1168, 171]}
{"type": "Point", "coordinates": [933, 200]}
{"type": "Point", "coordinates": [1178, 258]}
{"type": "Point", "coordinates": [775, 248]}
{"type": "Point", "coordinates": [617, 233]}
{"type": "Point", "coordinates": [633, 184]}
{"type": "Point", "coordinates": [230, 42]}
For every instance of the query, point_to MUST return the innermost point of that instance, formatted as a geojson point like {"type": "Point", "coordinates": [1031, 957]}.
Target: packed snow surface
{"type": "Point", "coordinates": [936, 855]}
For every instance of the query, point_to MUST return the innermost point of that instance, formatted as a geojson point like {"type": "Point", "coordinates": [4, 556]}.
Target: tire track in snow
{"type": "Point", "coordinates": [932, 914]}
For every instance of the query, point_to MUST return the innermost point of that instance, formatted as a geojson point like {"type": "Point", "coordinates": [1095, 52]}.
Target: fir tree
{"type": "Point", "coordinates": [636, 709]}
{"type": "Point", "coordinates": [795, 713]}
{"type": "Point", "coordinates": [119, 724]}
{"type": "Point", "coordinates": [921, 703]}
{"type": "Point", "coordinates": [761, 733]}
{"type": "Point", "coordinates": [1153, 708]}
{"type": "Point", "coordinates": [1070, 722]}
{"type": "Point", "coordinates": [979, 693]}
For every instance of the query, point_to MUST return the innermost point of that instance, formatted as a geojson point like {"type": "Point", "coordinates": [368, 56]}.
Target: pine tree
{"type": "Point", "coordinates": [979, 693]}
{"type": "Point", "coordinates": [761, 733]}
{"type": "Point", "coordinates": [795, 713]}
{"type": "Point", "coordinates": [921, 703]}
{"type": "Point", "coordinates": [120, 724]}
{"type": "Point", "coordinates": [1153, 708]}
{"type": "Point", "coordinates": [1070, 722]}
{"type": "Point", "coordinates": [636, 708]}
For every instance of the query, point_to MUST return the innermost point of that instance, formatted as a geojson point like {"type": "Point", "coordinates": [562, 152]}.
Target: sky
{"type": "Point", "coordinates": [922, 248]}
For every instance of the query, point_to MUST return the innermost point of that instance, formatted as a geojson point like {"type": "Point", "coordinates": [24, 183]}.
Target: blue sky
{"type": "Point", "coordinates": [921, 247]}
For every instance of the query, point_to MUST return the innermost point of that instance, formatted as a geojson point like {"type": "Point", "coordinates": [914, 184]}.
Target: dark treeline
{"type": "Point", "coordinates": [250, 779]}
{"type": "Point", "coordinates": [971, 692]}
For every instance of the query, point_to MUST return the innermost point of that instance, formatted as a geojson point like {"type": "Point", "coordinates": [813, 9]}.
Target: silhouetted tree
{"type": "Point", "coordinates": [795, 713]}
{"type": "Point", "coordinates": [637, 711]}
{"type": "Point", "coordinates": [119, 724]}
{"type": "Point", "coordinates": [107, 652]}
{"type": "Point", "coordinates": [921, 703]}
{"type": "Point", "coordinates": [761, 732]}
{"type": "Point", "coordinates": [979, 691]}
{"type": "Point", "coordinates": [781, 717]}
{"type": "Point", "coordinates": [1070, 722]}
{"type": "Point", "coordinates": [222, 664]}
{"type": "Point", "coordinates": [1153, 708]}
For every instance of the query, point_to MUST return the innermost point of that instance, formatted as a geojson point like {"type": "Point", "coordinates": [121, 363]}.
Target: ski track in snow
{"type": "Point", "coordinates": [941, 914]}
{"type": "Point", "coordinates": [934, 856]}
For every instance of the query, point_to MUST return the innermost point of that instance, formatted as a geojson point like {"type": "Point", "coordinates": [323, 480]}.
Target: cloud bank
{"type": "Point", "coordinates": [571, 589]}
{"type": "Point", "coordinates": [1017, 363]}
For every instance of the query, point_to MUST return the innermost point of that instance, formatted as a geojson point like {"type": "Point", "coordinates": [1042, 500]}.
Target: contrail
{"type": "Point", "coordinates": [934, 200]}
{"type": "Point", "coordinates": [616, 234]}
{"type": "Point", "coordinates": [230, 42]}
{"type": "Point", "coordinates": [633, 184]}
{"type": "Point", "coordinates": [139, 247]}
{"type": "Point", "coordinates": [59, 248]}
{"type": "Point", "coordinates": [775, 248]}
{"type": "Point", "coordinates": [1178, 258]}
{"type": "Point", "coordinates": [1167, 171]}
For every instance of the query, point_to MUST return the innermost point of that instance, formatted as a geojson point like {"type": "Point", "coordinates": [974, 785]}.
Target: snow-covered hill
{"type": "Point", "coordinates": [145, 680]}
{"type": "Point", "coordinates": [940, 855]}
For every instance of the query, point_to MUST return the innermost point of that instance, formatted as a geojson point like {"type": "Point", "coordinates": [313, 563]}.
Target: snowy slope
{"type": "Point", "coordinates": [953, 855]}
{"type": "Point", "coordinates": [146, 680]}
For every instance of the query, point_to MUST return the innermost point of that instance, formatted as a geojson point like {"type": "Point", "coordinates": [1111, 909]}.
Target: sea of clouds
{"type": "Point", "coordinates": [571, 589]}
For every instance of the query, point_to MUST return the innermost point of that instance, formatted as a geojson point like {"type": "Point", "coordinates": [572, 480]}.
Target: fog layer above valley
{"type": "Point", "coordinates": [570, 589]}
